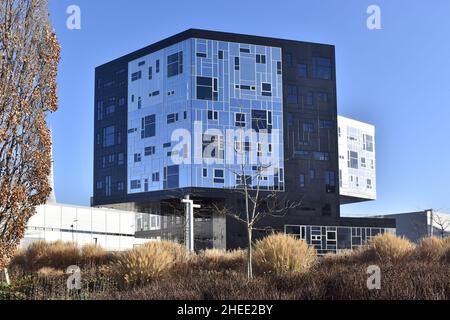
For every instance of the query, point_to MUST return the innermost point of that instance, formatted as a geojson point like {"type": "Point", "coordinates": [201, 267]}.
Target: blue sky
{"type": "Point", "coordinates": [395, 78]}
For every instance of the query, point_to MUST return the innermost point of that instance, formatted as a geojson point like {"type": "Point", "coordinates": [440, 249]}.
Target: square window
{"type": "Point", "coordinates": [302, 70]}
{"type": "Point", "coordinates": [239, 119]}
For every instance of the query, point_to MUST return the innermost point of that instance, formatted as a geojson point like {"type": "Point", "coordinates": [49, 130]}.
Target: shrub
{"type": "Point", "coordinates": [446, 250]}
{"type": "Point", "coordinates": [63, 254]}
{"type": "Point", "coordinates": [283, 254]}
{"type": "Point", "coordinates": [93, 255]}
{"type": "Point", "coordinates": [429, 249]}
{"type": "Point", "coordinates": [386, 248]}
{"type": "Point", "coordinates": [41, 254]}
{"type": "Point", "coordinates": [220, 260]}
{"type": "Point", "coordinates": [147, 262]}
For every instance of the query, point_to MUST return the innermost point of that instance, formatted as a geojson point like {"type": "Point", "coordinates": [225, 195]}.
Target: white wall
{"type": "Point", "coordinates": [354, 181]}
{"type": "Point", "coordinates": [111, 229]}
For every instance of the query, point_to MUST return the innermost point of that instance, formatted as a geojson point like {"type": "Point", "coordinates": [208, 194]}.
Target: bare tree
{"type": "Point", "coordinates": [259, 203]}
{"type": "Point", "coordinates": [442, 223]}
{"type": "Point", "coordinates": [29, 55]}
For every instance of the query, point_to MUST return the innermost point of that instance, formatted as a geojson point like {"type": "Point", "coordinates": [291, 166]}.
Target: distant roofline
{"type": "Point", "coordinates": [209, 35]}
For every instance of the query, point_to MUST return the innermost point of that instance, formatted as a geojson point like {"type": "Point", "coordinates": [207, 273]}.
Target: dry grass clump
{"type": "Point", "coordinates": [430, 249]}
{"type": "Point", "coordinates": [445, 257]}
{"type": "Point", "coordinates": [385, 248]}
{"type": "Point", "coordinates": [59, 255]}
{"type": "Point", "coordinates": [41, 254]}
{"type": "Point", "coordinates": [283, 254]}
{"type": "Point", "coordinates": [147, 262]}
{"type": "Point", "coordinates": [47, 272]}
{"type": "Point", "coordinates": [93, 255]}
{"type": "Point", "coordinates": [220, 260]}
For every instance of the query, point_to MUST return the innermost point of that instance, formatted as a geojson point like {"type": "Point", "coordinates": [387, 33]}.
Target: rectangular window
{"type": "Point", "coordinates": [99, 185]}
{"type": "Point", "coordinates": [205, 173]}
{"type": "Point", "coordinates": [171, 118]}
{"type": "Point", "coordinates": [322, 68]}
{"type": "Point", "coordinates": [326, 124]}
{"type": "Point", "coordinates": [237, 63]}
{"type": "Point", "coordinates": [353, 160]}
{"type": "Point", "coordinates": [137, 157]}
{"type": "Point", "coordinates": [202, 55]}
{"type": "Point", "coordinates": [207, 88]}
{"type": "Point", "coordinates": [155, 177]}
{"type": "Point", "coordinates": [262, 120]}
{"type": "Point", "coordinates": [302, 181]}
{"type": "Point", "coordinates": [136, 75]}
{"type": "Point", "coordinates": [330, 181]}
{"type": "Point", "coordinates": [122, 101]}
{"type": "Point", "coordinates": [109, 135]}
{"type": "Point", "coordinates": [245, 50]}
{"type": "Point", "coordinates": [171, 177]}
{"type": "Point", "coordinates": [120, 159]}
{"type": "Point", "coordinates": [279, 68]}
{"type": "Point", "coordinates": [220, 55]}
{"type": "Point", "coordinates": [108, 186]}
{"type": "Point", "coordinates": [149, 151]}
{"type": "Point", "coordinates": [239, 119]}
{"type": "Point", "coordinates": [175, 64]}
{"type": "Point", "coordinates": [213, 115]}
{"type": "Point", "coordinates": [289, 59]}
{"type": "Point", "coordinates": [266, 89]}
{"type": "Point", "coordinates": [368, 143]}
{"type": "Point", "coordinates": [100, 110]}
{"type": "Point", "coordinates": [260, 59]}
{"type": "Point", "coordinates": [135, 184]}
{"type": "Point", "coordinates": [292, 94]}
{"type": "Point", "coordinates": [308, 127]}
{"type": "Point", "coordinates": [312, 173]}
{"type": "Point", "coordinates": [150, 73]}
{"type": "Point", "coordinates": [141, 63]}
{"type": "Point", "coordinates": [120, 186]}
{"type": "Point", "coordinates": [322, 97]}
{"type": "Point", "coordinates": [302, 70]}
{"type": "Point", "coordinates": [219, 176]}
{"type": "Point", "coordinates": [321, 156]}
{"type": "Point", "coordinates": [158, 66]}
{"type": "Point", "coordinates": [363, 163]}
{"type": "Point", "coordinates": [139, 103]}
{"type": "Point", "coordinates": [148, 127]}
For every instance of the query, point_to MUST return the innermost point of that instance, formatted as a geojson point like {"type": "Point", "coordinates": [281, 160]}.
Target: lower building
{"type": "Point", "coordinates": [113, 230]}
{"type": "Point", "coordinates": [422, 224]}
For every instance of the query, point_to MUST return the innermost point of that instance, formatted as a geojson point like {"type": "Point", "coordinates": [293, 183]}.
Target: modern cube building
{"type": "Point", "coordinates": [202, 112]}
{"type": "Point", "coordinates": [357, 161]}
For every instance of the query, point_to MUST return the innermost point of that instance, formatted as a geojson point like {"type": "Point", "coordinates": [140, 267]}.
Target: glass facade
{"type": "Point", "coordinates": [221, 94]}
{"type": "Point", "coordinates": [332, 239]}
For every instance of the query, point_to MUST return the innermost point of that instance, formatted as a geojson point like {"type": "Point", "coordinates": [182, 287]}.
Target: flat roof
{"type": "Point", "coordinates": [209, 35]}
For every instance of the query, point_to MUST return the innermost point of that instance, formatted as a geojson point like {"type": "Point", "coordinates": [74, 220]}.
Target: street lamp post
{"type": "Point", "coordinates": [74, 221]}
{"type": "Point", "coordinates": [189, 210]}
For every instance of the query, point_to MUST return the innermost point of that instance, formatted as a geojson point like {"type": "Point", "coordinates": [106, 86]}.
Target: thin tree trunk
{"type": "Point", "coordinates": [249, 254]}
{"type": "Point", "coordinates": [8, 282]}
